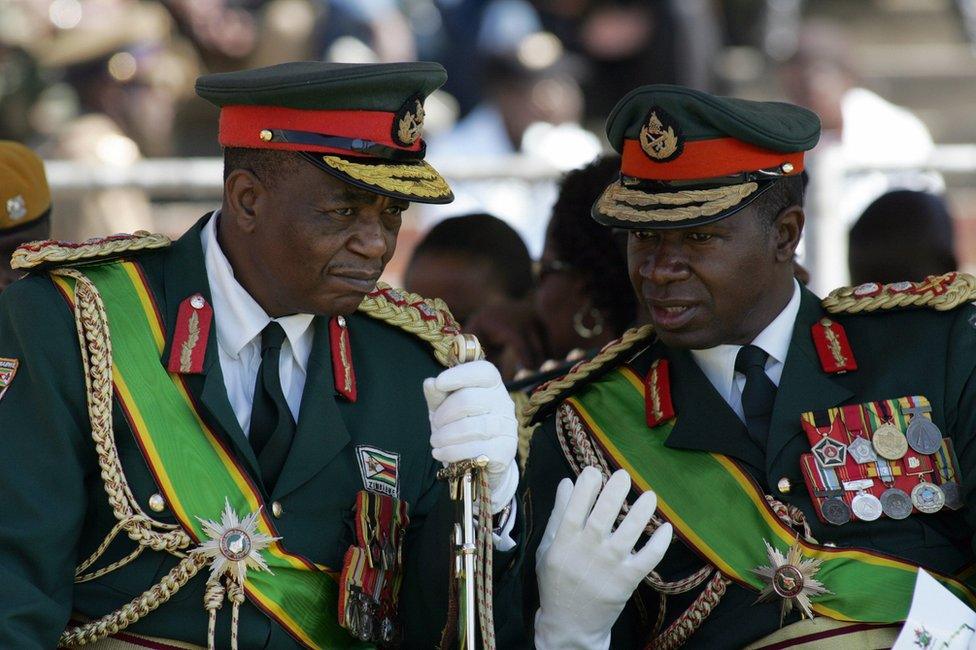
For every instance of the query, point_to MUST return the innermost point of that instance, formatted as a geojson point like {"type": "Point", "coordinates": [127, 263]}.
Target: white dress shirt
{"type": "Point", "coordinates": [718, 363]}
{"type": "Point", "coordinates": [239, 321]}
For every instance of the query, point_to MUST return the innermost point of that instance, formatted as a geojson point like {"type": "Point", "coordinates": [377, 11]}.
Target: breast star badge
{"type": "Point", "coordinates": [790, 577]}
{"type": "Point", "coordinates": [234, 545]}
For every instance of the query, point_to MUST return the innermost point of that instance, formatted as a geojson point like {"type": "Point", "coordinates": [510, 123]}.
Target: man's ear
{"type": "Point", "coordinates": [243, 194]}
{"type": "Point", "coordinates": [787, 228]}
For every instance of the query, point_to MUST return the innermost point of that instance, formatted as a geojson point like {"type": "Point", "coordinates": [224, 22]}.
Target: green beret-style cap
{"type": "Point", "coordinates": [688, 157]}
{"type": "Point", "coordinates": [359, 122]}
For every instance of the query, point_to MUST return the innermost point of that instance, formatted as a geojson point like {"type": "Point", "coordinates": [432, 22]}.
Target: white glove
{"type": "Point", "coordinates": [586, 572]}
{"type": "Point", "coordinates": [472, 415]}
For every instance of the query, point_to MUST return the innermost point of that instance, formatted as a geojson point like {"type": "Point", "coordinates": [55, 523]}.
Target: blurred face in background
{"type": "Point", "coordinates": [819, 86]}
{"type": "Point", "coordinates": [466, 285]}
{"type": "Point", "coordinates": [560, 294]}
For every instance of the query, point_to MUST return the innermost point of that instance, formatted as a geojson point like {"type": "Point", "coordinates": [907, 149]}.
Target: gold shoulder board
{"type": "Point", "coordinates": [429, 319]}
{"type": "Point", "coordinates": [48, 253]}
{"type": "Point", "coordinates": [939, 292]}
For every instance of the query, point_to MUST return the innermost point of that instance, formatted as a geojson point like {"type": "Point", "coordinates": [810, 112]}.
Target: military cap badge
{"type": "Point", "coordinates": [16, 208]}
{"type": "Point", "coordinates": [660, 137]}
{"type": "Point", "coordinates": [408, 124]}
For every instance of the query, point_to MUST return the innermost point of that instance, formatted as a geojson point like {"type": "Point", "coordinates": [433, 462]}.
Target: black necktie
{"type": "Point", "coordinates": [272, 426]}
{"type": "Point", "coordinates": [758, 394]}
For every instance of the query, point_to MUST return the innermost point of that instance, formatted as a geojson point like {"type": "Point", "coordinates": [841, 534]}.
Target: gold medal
{"type": "Point", "coordinates": [889, 442]}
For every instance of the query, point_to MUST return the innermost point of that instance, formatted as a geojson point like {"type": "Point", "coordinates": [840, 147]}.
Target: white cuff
{"type": "Point", "coordinates": [504, 491]}
{"type": "Point", "coordinates": [502, 537]}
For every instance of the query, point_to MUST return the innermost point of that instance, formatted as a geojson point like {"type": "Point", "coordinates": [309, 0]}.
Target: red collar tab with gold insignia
{"type": "Point", "coordinates": [657, 397]}
{"type": "Point", "coordinates": [342, 369]}
{"type": "Point", "coordinates": [833, 348]}
{"type": "Point", "coordinates": [190, 336]}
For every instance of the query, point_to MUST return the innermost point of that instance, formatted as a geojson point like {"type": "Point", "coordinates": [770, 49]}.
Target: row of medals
{"type": "Point", "coordinates": [363, 622]}
{"type": "Point", "coordinates": [890, 443]}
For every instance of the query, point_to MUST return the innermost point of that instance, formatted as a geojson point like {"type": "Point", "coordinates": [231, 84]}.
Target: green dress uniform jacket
{"type": "Point", "coordinates": [911, 352]}
{"type": "Point", "coordinates": [55, 512]}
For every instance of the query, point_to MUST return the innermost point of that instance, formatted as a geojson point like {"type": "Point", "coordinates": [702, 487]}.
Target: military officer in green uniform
{"type": "Point", "coordinates": [810, 455]}
{"type": "Point", "coordinates": [232, 440]}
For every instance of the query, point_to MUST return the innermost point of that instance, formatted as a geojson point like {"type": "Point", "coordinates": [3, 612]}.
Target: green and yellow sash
{"type": "Point", "coordinates": [192, 467]}
{"type": "Point", "coordinates": [727, 524]}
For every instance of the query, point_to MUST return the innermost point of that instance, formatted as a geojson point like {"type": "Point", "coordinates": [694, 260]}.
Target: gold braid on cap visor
{"type": "Point", "coordinates": [626, 204]}
{"type": "Point", "coordinates": [412, 180]}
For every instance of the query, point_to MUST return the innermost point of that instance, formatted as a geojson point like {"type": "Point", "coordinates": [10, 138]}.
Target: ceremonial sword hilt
{"type": "Point", "coordinates": [463, 489]}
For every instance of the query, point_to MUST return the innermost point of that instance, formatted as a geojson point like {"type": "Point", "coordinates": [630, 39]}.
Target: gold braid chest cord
{"type": "Point", "coordinates": [96, 356]}
{"type": "Point", "coordinates": [580, 452]}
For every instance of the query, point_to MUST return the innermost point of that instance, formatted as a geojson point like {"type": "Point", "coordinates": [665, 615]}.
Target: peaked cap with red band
{"type": "Point", "coordinates": [362, 123]}
{"type": "Point", "coordinates": [690, 158]}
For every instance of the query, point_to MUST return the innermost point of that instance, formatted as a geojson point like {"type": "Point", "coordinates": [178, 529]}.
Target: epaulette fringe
{"type": "Point", "coordinates": [49, 252]}
{"type": "Point", "coordinates": [428, 319]}
{"type": "Point", "coordinates": [939, 292]}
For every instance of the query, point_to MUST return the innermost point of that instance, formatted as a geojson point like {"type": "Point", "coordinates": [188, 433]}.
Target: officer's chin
{"type": "Point", "coordinates": [339, 305]}
{"type": "Point", "coordinates": [688, 339]}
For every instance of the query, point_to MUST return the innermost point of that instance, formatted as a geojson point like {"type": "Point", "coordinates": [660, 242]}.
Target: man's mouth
{"type": "Point", "coordinates": [671, 315]}
{"type": "Point", "coordinates": [362, 281]}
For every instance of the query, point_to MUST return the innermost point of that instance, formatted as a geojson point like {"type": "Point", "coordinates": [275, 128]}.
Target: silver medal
{"type": "Point", "coordinates": [896, 503]}
{"type": "Point", "coordinates": [923, 435]}
{"type": "Point", "coordinates": [862, 452]}
{"type": "Point", "coordinates": [866, 506]}
{"type": "Point", "coordinates": [928, 497]}
{"type": "Point", "coordinates": [835, 511]}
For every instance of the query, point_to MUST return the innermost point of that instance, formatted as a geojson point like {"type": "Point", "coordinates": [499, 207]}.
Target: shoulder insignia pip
{"type": "Point", "coordinates": [190, 336]}
{"type": "Point", "coordinates": [342, 369]}
{"type": "Point", "coordinates": [429, 319]}
{"type": "Point", "coordinates": [939, 292]}
{"type": "Point", "coordinates": [49, 252]}
{"type": "Point", "coordinates": [657, 394]}
{"type": "Point", "coordinates": [833, 348]}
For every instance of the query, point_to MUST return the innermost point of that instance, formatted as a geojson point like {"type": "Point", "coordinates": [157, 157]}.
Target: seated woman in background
{"type": "Point", "coordinates": [583, 298]}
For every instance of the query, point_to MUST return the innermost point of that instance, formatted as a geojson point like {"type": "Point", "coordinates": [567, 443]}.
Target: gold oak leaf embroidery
{"type": "Point", "coordinates": [192, 338]}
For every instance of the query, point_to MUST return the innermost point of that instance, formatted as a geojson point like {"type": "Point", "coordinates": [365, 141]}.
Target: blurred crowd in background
{"type": "Point", "coordinates": [108, 84]}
